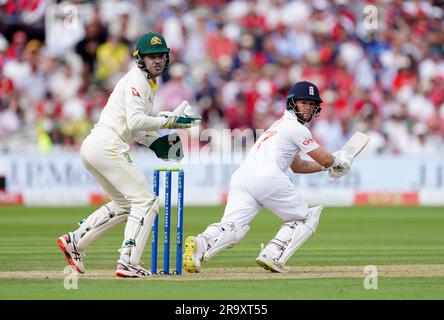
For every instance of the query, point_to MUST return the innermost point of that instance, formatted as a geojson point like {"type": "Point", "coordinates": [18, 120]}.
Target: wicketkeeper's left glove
{"type": "Point", "coordinates": [168, 147]}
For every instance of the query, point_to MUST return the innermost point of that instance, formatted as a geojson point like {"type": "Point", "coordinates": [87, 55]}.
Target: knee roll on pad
{"type": "Point", "coordinates": [222, 236]}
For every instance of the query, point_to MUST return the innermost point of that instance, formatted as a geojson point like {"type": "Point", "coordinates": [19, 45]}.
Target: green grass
{"type": "Point", "coordinates": [346, 236]}
{"type": "Point", "coordinates": [335, 288]}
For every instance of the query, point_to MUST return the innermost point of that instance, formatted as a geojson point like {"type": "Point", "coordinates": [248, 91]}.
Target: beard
{"type": "Point", "coordinates": [155, 69]}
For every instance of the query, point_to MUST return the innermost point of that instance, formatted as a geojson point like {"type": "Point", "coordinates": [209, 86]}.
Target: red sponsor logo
{"type": "Point", "coordinates": [307, 141]}
{"type": "Point", "coordinates": [135, 92]}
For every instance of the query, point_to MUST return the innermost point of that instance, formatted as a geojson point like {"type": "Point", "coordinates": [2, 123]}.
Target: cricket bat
{"type": "Point", "coordinates": [356, 144]}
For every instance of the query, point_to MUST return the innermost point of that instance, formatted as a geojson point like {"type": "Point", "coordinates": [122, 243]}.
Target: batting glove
{"type": "Point", "coordinates": [341, 165]}
{"type": "Point", "coordinates": [342, 160]}
{"type": "Point", "coordinates": [337, 173]}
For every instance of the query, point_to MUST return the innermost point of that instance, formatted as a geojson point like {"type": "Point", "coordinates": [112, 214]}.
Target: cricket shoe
{"type": "Point", "coordinates": [266, 261]}
{"type": "Point", "coordinates": [193, 255]}
{"type": "Point", "coordinates": [73, 255]}
{"type": "Point", "coordinates": [125, 270]}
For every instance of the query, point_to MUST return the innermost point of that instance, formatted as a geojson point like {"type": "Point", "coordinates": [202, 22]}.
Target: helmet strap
{"type": "Point", "coordinates": [141, 64]}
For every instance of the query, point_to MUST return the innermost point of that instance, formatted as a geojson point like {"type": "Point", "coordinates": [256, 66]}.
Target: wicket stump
{"type": "Point", "coordinates": [167, 221]}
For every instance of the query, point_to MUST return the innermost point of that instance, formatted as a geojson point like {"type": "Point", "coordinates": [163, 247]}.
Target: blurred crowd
{"type": "Point", "coordinates": [379, 66]}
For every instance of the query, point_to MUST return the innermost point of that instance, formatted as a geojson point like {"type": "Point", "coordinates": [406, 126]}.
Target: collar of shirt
{"type": "Point", "coordinates": [153, 85]}
{"type": "Point", "coordinates": [289, 115]}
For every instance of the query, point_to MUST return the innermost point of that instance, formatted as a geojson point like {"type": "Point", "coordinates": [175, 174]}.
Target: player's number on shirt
{"type": "Point", "coordinates": [267, 135]}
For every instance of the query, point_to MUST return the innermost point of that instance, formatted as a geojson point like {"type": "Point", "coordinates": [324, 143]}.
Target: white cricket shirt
{"type": "Point", "coordinates": [278, 146]}
{"type": "Point", "coordinates": [128, 110]}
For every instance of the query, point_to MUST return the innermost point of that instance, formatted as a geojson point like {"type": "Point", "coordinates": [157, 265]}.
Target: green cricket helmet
{"type": "Point", "coordinates": [151, 43]}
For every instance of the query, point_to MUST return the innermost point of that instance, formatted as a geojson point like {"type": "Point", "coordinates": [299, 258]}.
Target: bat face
{"type": "Point", "coordinates": [356, 144]}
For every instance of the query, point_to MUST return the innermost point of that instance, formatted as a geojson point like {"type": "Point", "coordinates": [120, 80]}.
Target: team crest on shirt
{"type": "Point", "coordinates": [135, 92]}
{"type": "Point", "coordinates": [155, 40]}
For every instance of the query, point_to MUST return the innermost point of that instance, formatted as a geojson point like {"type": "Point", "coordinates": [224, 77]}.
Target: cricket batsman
{"type": "Point", "coordinates": [261, 181]}
{"type": "Point", "coordinates": [127, 116]}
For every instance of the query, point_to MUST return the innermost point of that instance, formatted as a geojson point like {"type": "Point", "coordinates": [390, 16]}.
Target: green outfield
{"type": "Point", "coordinates": [405, 244]}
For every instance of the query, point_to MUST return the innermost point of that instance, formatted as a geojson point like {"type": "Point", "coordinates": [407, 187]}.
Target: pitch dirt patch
{"type": "Point", "coordinates": [251, 273]}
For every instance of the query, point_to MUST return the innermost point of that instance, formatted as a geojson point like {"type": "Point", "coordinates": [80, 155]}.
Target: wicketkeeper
{"type": "Point", "coordinates": [105, 153]}
{"type": "Point", "coordinates": [261, 181]}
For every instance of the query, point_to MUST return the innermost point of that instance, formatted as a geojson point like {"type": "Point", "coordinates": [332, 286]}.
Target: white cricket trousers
{"type": "Point", "coordinates": [253, 189]}
{"type": "Point", "coordinates": [106, 156]}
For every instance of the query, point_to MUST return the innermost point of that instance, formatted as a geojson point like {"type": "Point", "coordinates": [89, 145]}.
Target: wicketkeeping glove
{"type": "Point", "coordinates": [175, 122]}
{"type": "Point", "coordinates": [182, 117]}
{"type": "Point", "coordinates": [168, 147]}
